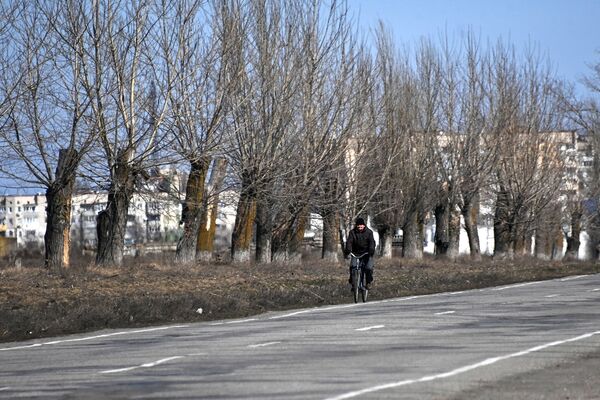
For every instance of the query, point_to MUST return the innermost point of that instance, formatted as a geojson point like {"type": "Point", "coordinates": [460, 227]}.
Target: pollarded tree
{"type": "Point", "coordinates": [129, 87]}
{"type": "Point", "coordinates": [529, 170]}
{"type": "Point", "coordinates": [203, 66]}
{"type": "Point", "coordinates": [262, 118]}
{"type": "Point", "coordinates": [47, 123]}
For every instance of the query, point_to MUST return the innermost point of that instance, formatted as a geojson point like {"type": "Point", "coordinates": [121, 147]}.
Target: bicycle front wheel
{"type": "Point", "coordinates": [364, 292]}
{"type": "Point", "coordinates": [355, 285]}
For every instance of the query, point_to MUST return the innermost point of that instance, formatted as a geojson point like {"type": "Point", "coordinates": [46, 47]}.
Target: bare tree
{"type": "Point", "coordinates": [129, 88]}
{"type": "Point", "coordinates": [529, 170]}
{"type": "Point", "coordinates": [47, 127]}
{"type": "Point", "coordinates": [263, 114]}
{"type": "Point", "coordinates": [202, 65]}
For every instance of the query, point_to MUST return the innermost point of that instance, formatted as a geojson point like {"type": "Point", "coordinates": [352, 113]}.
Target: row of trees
{"type": "Point", "coordinates": [285, 102]}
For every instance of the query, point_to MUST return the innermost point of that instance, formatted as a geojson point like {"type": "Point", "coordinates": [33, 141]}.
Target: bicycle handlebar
{"type": "Point", "coordinates": [361, 256]}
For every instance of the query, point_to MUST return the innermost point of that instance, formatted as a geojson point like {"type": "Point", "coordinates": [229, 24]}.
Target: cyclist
{"type": "Point", "coordinates": [360, 241]}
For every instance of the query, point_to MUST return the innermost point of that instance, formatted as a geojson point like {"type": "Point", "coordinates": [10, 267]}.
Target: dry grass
{"type": "Point", "coordinates": [35, 303]}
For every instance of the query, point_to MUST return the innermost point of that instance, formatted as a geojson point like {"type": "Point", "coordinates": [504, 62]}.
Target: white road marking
{"type": "Point", "coordinates": [368, 328]}
{"type": "Point", "coordinates": [552, 295]}
{"type": "Point", "coordinates": [445, 312]}
{"type": "Point", "coordinates": [147, 365]}
{"type": "Point", "coordinates": [4, 388]}
{"type": "Point", "coordinates": [237, 321]}
{"type": "Point", "coordinates": [457, 371]}
{"type": "Point", "coordinates": [517, 285]}
{"type": "Point", "coordinates": [595, 290]}
{"type": "Point", "coordinates": [253, 346]}
{"type": "Point", "coordinates": [570, 278]}
{"type": "Point", "coordinates": [94, 337]}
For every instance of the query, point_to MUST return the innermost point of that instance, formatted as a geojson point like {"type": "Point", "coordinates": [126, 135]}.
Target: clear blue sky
{"type": "Point", "coordinates": [567, 32]}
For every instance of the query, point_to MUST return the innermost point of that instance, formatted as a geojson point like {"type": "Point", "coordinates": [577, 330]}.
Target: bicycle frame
{"type": "Point", "coordinates": [358, 266]}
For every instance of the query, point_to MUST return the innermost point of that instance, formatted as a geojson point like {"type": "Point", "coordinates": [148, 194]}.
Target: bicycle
{"type": "Point", "coordinates": [358, 265]}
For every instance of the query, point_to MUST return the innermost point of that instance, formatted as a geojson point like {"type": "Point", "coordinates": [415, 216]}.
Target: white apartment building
{"type": "Point", "coordinates": [24, 218]}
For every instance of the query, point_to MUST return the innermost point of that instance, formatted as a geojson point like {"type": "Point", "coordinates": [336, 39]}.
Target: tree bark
{"type": "Point", "coordinates": [58, 224]}
{"type": "Point", "coordinates": [190, 215]}
{"type": "Point", "coordinates": [208, 218]}
{"type": "Point", "coordinates": [502, 232]}
{"type": "Point", "coordinates": [385, 240]}
{"type": "Point", "coordinates": [453, 234]}
{"type": "Point", "coordinates": [470, 213]}
{"type": "Point", "coordinates": [441, 238]}
{"type": "Point", "coordinates": [573, 241]}
{"type": "Point", "coordinates": [242, 230]}
{"type": "Point", "coordinates": [413, 237]}
{"type": "Point", "coordinates": [112, 221]}
{"type": "Point", "coordinates": [264, 233]}
{"type": "Point", "coordinates": [331, 236]}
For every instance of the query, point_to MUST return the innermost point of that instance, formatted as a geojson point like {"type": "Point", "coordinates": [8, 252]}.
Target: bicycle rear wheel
{"type": "Point", "coordinates": [355, 284]}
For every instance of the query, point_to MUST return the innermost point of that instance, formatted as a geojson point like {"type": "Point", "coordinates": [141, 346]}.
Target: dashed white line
{"type": "Point", "coordinates": [4, 388]}
{"type": "Point", "coordinates": [94, 337]}
{"type": "Point", "coordinates": [552, 295]}
{"type": "Point", "coordinates": [457, 371]}
{"type": "Point", "coordinates": [147, 365]}
{"type": "Point", "coordinates": [445, 312]}
{"type": "Point", "coordinates": [253, 346]}
{"type": "Point", "coordinates": [368, 328]}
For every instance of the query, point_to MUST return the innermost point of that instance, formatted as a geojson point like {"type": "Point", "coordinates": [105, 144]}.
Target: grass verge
{"type": "Point", "coordinates": [35, 303]}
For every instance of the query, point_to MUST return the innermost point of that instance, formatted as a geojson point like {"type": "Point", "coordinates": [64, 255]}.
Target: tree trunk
{"type": "Point", "coordinates": [112, 221]}
{"type": "Point", "coordinates": [296, 243]}
{"type": "Point", "coordinates": [453, 234]}
{"type": "Point", "coordinates": [573, 241]}
{"type": "Point", "coordinates": [543, 244]}
{"type": "Point", "coordinates": [470, 213]}
{"type": "Point", "coordinates": [502, 234]}
{"type": "Point", "coordinates": [441, 238]}
{"type": "Point", "coordinates": [413, 237]}
{"type": "Point", "coordinates": [264, 233]}
{"type": "Point", "coordinates": [242, 231]}
{"type": "Point", "coordinates": [190, 215]}
{"type": "Point", "coordinates": [331, 236]}
{"type": "Point", "coordinates": [208, 218]}
{"type": "Point", "coordinates": [385, 240]}
{"type": "Point", "coordinates": [58, 224]}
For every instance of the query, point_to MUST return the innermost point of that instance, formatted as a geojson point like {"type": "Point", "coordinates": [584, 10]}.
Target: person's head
{"type": "Point", "coordinates": [360, 224]}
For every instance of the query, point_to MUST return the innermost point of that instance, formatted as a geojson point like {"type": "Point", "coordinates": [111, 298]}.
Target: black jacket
{"type": "Point", "coordinates": [360, 242]}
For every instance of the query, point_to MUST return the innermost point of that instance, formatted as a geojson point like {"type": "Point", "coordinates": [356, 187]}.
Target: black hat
{"type": "Point", "coordinates": [360, 221]}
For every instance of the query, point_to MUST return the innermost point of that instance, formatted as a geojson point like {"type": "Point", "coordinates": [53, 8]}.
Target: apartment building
{"type": "Point", "coordinates": [23, 217]}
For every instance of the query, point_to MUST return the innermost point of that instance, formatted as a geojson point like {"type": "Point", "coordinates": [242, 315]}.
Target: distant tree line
{"type": "Point", "coordinates": [286, 103]}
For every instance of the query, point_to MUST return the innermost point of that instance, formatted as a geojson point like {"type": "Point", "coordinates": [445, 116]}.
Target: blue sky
{"type": "Point", "coordinates": [567, 32]}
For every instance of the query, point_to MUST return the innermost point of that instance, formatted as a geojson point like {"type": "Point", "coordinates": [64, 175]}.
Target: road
{"type": "Point", "coordinates": [537, 340]}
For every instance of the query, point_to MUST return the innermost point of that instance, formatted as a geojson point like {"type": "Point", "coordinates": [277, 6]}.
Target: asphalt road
{"type": "Point", "coordinates": [539, 340]}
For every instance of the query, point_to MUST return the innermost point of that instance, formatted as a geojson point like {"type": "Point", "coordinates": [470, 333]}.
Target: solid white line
{"type": "Point", "coordinates": [95, 337]}
{"type": "Point", "coordinates": [147, 365]}
{"type": "Point", "coordinates": [517, 285]}
{"type": "Point", "coordinates": [252, 346]}
{"type": "Point", "coordinates": [457, 371]}
{"type": "Point", "coordinates": [445, 312]}
{"type": "Point", "coordinates": [368, 328]}
{"type": "Point", "coordinates": [570, 278]}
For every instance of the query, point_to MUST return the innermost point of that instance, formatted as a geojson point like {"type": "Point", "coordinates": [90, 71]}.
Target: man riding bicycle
{"type": "Point", "coordinates": [360, 241]}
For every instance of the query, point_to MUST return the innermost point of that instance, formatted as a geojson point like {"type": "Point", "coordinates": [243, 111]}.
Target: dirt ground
{"type": "Point", "coordinates": [35, 303]}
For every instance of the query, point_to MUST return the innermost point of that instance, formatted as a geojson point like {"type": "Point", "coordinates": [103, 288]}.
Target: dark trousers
{"type": "Point", "coordinates": [368, 275]}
